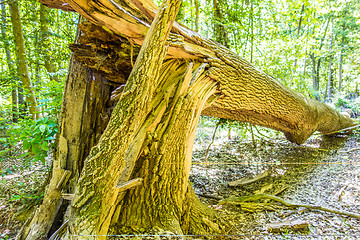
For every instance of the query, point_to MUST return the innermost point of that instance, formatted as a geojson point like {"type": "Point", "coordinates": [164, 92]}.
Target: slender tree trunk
{"type": "Point", "coordinates": [46, 42]}
{"type": "Point", "coordinates": [316, 63]}
{"type": "Point", "coordinates": [21, 57]}
{"type": "Point", "coordinates": [340, 69]}
{"type": "Point", "coordinates": [298, 34]}
{"type": "Point", "coordinates": [197, 15]}
{"type": "Point", "coordinates": [10, 66]}
{"type": "Point", "coordinates": [341, 54]}
{"type": "Point", "coordinates": [330, 78]}
{"type": "Point", "coordinates": [219, 29]}
{"type": "Point", "coordinates": [21, 101]}
{"type": "Point", "coordinates": [252, 31]}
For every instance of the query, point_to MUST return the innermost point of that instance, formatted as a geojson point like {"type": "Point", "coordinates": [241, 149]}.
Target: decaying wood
{"type": "Point", "coordinates": [253, 198]}
{"type": "Point", "coordinates": [249, 95]}
{"type": "Point", "coordinates": [246, 180]}
{"type": "Point", "coordinates": [46, 212]}
{"type": "Point", "coordinates": [264, 188]}
{"type": "Point", "coordinates": [284, 226]}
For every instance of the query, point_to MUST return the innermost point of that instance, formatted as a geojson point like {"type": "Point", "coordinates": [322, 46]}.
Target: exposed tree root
{"type": "Point", "coordinates": [244, 201]}
{"type": "Point", "coordinates": [199, 219]}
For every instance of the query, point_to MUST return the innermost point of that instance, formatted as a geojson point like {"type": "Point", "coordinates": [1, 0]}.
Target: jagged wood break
{"type": "Point", "coordinates": [249, 95]}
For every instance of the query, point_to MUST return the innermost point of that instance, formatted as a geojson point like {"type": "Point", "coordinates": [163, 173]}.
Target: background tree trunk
{"type": "Point", "coordinates": [21, 57]}
{"type": "Point", "coordinates": [220, 34]}
{"type": "Point", "coordinates": [45, 42]}
{"type": "Point", "coordinates": [197, 15]}
{"type": "Point", "coordinates": [330, 76]}
{"type": "Point", "coordinates": [316, 62]}
{"type": "Point", "coordinates": [10, 66]}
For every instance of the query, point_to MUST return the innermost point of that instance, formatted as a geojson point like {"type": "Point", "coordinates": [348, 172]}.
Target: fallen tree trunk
{"type": "Point", "coordinates": [151, 131]}
{"type": "Point", "coordinates": [249, 95]}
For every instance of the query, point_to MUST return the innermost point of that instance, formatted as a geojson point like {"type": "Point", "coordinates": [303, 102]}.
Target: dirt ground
{"type": "Point", "coordinates": [322, 172]}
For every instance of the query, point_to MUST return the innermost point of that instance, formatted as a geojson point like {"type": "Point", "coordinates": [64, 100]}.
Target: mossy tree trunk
{"type": "Point", "coordinates": [11, 69]}
{"type": "Point", "coordinates": [23, 70]}
{"type": "Point", "coordinates": [86, 110]}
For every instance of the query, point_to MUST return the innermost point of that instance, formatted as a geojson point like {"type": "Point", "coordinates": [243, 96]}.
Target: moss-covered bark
{"type": "Point", "coordinates": [112, 161]}
{"type": "Point", "coordinates": [165, 159]}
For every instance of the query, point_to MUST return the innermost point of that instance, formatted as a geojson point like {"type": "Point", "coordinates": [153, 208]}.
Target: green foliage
{"type": "Point", "coordinates": [287, 38]}
{"type": "Point", "coordinates": [24, 196]}
{"type": "Point", "coordinates": [37, 137]}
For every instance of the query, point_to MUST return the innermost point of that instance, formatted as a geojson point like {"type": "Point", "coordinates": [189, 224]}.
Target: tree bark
{"type": "Point", "coordinates": [85, 113]}
{"type": "Point", "coordinates": [112, 161]}
{"type": "Point", "coordinates": [21, 57]}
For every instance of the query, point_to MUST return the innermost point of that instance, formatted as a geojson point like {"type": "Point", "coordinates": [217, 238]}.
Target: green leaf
{"type": "Point", "coordinates": [15, 197]}
{"type": "Point", "coordinates": [50, 138]}
{"type": "Point", "coordinates": [42, 128]}
{"type": "Point", "coordinates": [26, 145]}
{"type": "Point", "coordinates": [35, 149]}
{"type": "Point", "coordinates": [44, 146]}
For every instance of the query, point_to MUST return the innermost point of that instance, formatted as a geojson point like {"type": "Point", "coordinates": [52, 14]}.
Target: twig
{"type": "Point", "coordinates": [252, 136]}
{"type": "Point", "coordinates": [261, 134]}
{"type": "Point", "coordinates": [339, 131]}
{"type": "Point", "coordinates": [351, 150]}
{"type": "Point", "coordinates": [212, 140]}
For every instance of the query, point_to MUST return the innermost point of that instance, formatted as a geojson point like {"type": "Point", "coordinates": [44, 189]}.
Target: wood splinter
{"type": "Point", "coordinates": [129, 184]}
{"type": "Point", "coordinates": [64, 178]}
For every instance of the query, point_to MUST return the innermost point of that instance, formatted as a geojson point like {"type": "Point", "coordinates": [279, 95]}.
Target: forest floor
{"type": "Point", "coordinates": [322, 172]}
